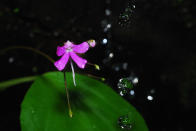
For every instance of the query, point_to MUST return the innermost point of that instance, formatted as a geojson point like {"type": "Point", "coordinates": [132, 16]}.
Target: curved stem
{"type": "Point", "coordinates": [5, 84]}
{"type": "Point", "coordinates": [28, 48]}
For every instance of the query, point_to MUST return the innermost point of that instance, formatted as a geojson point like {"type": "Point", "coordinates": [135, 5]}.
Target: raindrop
{"type": "Point", "coordinates": [135, 80]}
{"type": "Point", "coordinates": [124, 83]}
{"type": "Point", "coordinates": [111, 55]}
{"type": "Point", "coordinates": [125, 17]}
{"type": "Point", "coordinates": [107, 12]}
{"type": "Point", "coordinates": [116, 68]}
{"type": "Point", "coordinates": [132, 92]}
{"type": "Point", "coordinates": [124, 66]}
{"type": "Point", "coordinates": [150, 98]}
{"type": "Point", "coordinates": [109, 26]}
{"type": "Point", "coordinates": [125, 122]}
{"type": "Point", "coordinates": [123, 92]}
{"type": "Point", "coordinates": [152, 91]}
{"type": "Point", "coordinates": [11, 60]}
{"type": "Point", "coordinates": [104, 41]}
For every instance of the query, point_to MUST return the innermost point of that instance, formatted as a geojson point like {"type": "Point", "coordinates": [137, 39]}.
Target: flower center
{"type": "Point", "coordinates": [69, 49]}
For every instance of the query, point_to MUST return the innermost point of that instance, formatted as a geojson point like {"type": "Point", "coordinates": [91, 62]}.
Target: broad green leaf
{"type": "Point", "coordinates": [95, 106]}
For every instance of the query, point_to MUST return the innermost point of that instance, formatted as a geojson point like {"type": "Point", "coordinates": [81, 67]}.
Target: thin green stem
{"type": "Point", "coordinates": [67, 94]}
{"type": "Point", "coordinates": [28, 48]}
{"type": "Point", "coordinates": [5, 84]}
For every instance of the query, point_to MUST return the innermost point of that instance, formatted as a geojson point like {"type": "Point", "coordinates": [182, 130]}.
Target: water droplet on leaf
{"type": "Point", "coordinates": [124, 83]}
{"type": "Point", "coordinates": [125, 122]}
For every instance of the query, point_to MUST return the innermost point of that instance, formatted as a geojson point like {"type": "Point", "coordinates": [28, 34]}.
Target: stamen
{"type": "Point", "coordinates": [96, 77]}
{"type": "Point", "coordinates": [73, 73]}
{"type": "Point", "coordinates": [95, 65]}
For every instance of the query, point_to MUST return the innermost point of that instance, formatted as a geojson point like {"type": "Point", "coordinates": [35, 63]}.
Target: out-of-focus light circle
{"type": "Point", "coordinates": [150, 98]}
{"type": "Point", "coordinates": [104, 41]}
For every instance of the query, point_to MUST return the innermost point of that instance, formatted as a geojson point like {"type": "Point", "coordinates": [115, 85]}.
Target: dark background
{"type": "Point", "coordinates": [154, 42]}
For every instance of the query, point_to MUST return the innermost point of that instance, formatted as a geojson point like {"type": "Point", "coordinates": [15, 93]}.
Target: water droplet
{"type": "Point", "coordinates": [123, 92]}
{"type": "Point", "coordinates": [124, 83]}
{"type": "Point", "coordinates": [125, 122]}
{"type": "Point", "coordinates": [111, 55]}
{"type": "Point", "coordinates": [124, 66]}
{"type": "Point", "coordinates": [107, 27]}
{"type": "Point", "coordinates": [11, 60]}
{"type": "Point", "coordinates": [132, 92]}
{"type": "Point", "coordinates": [107, 12]}
{"type": "Point", "coordinates": [104, 41]}
{"type": "Point", "coordinates": [150, 98]}
{"type": "Point", "coordinates": [152, 91]}
{"type": "Point", "coordinates": [135, 80]}
{"type": "Point", "coordinates": [125, 17]}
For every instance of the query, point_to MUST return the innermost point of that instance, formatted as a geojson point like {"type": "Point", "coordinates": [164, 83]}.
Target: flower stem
{"type": "Point", "coordinates": [67, 94]}
{"type": "Point", "coordinates": [5, 84]}
{"type": "Point", "coordinates": [28, 48]}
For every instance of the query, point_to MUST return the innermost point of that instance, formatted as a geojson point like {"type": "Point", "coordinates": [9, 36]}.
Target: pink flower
{"type": "Point", "coordinates": [71, 50]}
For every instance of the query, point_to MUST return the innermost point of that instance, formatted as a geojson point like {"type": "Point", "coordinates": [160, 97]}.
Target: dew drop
{"type": "Point", "coordinates": [104, 41]}
{"type": "Point", "coordinates": [135, 80]}
{"type": "Point", "coordinates": [150, 98]}
{"type": "Point", "coordinates": [125, 122]}
{"type": "Point", "coordinates": [124, 83]}
{"type": "Point", "coordinates": [11, 60]}
{"type": "Point", "coordinates": [107, 12]}
{"type": "Point", "coordinates": [132, 92]}
{"type": "Point", "coordinates": [123, 92]}
{"type": "Point", "coordinates": [111, 55]}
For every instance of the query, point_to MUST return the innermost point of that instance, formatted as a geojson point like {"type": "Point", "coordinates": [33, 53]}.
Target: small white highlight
{"type": "Point", "coordinates": [111, 55]}
{"type": "Point", "coordinates": [121, 93]}
{"type": "Point", "coordinates": [109, 26]}
{"type": "Point", "coordinates": [107, 12]}
{"type": "Point", "coordinates": [11, 60]}
{"type": "Point", "coordinates": [104, 41]}
{"type": "Point", "coordinates": [135, 80]}
{"type": "Point", "coordinates": [150, 98]}
{"type": "Point", "coordinates": [132, 92]}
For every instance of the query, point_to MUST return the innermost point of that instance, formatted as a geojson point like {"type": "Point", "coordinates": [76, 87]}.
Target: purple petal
{"type": "Point", "coordinates": [60, 51]}
{"type": "Point", "coordinates": [81, 48]}
{"type": "Point", "coordinates": [68, 44]}
{"type": "Point", "coordinates": [60, 64]}
{"type": "Point", "coordinates": [78, 60]}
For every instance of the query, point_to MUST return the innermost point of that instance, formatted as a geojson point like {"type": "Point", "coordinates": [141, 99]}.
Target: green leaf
{"type": "Point", "coordinates": [95, 106]}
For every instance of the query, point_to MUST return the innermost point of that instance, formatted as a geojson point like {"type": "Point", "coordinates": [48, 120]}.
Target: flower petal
{"type": "Point", "coordinates": [60, 50]}
{"type": "Point", "coordinates": [60, 64]}
{"type": "Point", "coordinates": [78, 60]}
{"type": "Point", "coordinates": [81, 48]}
